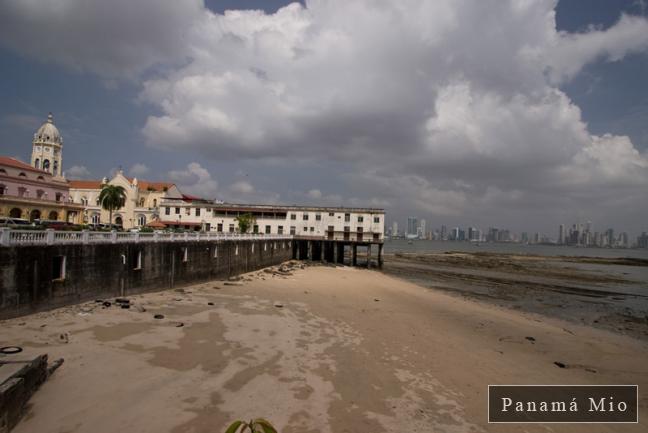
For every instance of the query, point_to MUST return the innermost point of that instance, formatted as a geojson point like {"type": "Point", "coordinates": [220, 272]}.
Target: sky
{"type": "Point", "coordinates": [519, 114]}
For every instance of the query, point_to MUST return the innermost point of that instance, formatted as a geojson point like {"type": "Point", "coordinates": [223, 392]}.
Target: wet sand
{"type": "Point", "coordinates": [320, 349]}
{"type": "Point", "coordinates": [608, 293]}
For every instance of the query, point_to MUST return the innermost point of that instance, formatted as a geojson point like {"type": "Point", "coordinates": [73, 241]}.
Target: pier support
{"type": "Point", "coordinates": [380, 255]}
{"type": "Point", "coordinates": [368, 256]}
{"type": "Point", "coordinates": [354, 255]}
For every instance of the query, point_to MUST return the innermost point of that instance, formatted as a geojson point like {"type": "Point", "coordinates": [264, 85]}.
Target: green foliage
{"type": "Point", "coordinates": [258, 425]}
{"type": "Point", "coordinates": [112, 197]}
{"type": "Point", "coordinates": [245, 221]}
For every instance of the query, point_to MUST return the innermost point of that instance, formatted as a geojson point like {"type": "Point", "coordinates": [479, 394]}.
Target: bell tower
{"type": "Point", "coordinates": [47, 148]}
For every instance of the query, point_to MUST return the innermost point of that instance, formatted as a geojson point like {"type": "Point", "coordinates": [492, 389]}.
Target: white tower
{"type": "Point", "coordinates": [47, 148]}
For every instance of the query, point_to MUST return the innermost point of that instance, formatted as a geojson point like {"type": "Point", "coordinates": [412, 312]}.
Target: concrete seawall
{"type": "Point", "coordinates": [34, 278]}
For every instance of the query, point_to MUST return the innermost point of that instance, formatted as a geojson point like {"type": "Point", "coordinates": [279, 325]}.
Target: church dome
{"type": "Point", "coordinates": [48, 133]}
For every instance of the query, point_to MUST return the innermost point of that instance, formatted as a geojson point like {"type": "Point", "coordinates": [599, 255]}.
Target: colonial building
{"type": "Point", "coordinates": [328, 223]}
{"type": "Point", "coordinates": [142, 200]}
{"type": "Point", "coordinates": [38, 191]}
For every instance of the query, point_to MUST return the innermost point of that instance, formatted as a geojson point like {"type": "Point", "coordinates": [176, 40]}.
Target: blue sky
{"type": "Point", "coordinates": [358, 150]}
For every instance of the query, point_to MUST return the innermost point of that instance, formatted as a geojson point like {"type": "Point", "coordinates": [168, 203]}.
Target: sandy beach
{"type": "Point", "coordinates": [325, 349]}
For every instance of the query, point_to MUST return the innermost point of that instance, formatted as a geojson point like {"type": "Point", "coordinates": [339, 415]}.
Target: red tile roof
{"type": "Point", "coordinates": [143, 185]}
{"type": "Point", "coordinates": [13, 162]}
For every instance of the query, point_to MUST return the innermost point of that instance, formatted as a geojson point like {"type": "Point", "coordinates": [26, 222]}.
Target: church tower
{"type": "Point", "coordinates": [47, 148]}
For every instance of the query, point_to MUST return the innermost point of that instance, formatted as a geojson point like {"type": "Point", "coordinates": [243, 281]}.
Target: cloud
{"type": "Point", "coordinates": [241, 187]}
{"type": "Point", "coordinates": [314, 193]}
{"type": "Point", "coordinates": [138, 169]}
{"type": "Point", "coordinates": [195, 180]}
{"type": "Point", "coordinates": [115, 39]}
{"type": "Point", "coordinates": [450, 108]}
{"type": "Point", "coordinates": [77, 172]}
{"type": "Point", "coordinates": [402, 91]}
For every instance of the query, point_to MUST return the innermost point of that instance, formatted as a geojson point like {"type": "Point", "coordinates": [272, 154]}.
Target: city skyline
{"type": "Point", "coordinates": [175, 100]}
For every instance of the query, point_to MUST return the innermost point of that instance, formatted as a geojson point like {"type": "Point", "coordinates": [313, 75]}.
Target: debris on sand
{"type": "Point", "coordinates": [232, 283]}
{"type": "Point", "coordinates": [158, 316]}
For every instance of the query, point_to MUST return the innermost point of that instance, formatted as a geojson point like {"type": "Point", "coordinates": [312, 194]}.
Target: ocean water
{"type": "Point", "coordinates": [420, 246]}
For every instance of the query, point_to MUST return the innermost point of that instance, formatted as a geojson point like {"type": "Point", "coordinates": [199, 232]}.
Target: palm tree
{"type": "Point", "coordinates": [112, 197]}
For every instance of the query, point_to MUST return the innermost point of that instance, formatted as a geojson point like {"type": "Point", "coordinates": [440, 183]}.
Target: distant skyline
{"type": "Point", "coordinates": [525, 114]}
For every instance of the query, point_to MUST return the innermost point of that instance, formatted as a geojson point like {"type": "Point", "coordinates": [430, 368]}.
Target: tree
{"type": "Point", "coordinates": [112, 197]}
{"type": "Point", "coordinates": [245, 221]}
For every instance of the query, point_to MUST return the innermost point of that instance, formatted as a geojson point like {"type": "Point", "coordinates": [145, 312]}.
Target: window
{"type": "Point", "coordinates": [292, 230]}
{"type": "Point", "coordinates": [55, 168]}
{"type": "Point", "coordinates": [187, 211]}
{"type": "Point", "coordinates": [305, 229]}
{"type": "Point", "coordinates": [137, 260]}
{"type": "Point", "coordinates": [312, 229]}
{"type": "Point", "coordinates": [40, 193]}
{"type": "Point", "coordinates": [185, 254]}
{"type": "Point", "coordinates": [177, 211]}
{"type": "Point", "coordinates": [154, 202]}
{"type": "Point", "coordinates": [215, 251]}
{"type": "Point", "coordinates": [37, 163]}
{"type": "Point", "coordinates": [376, 219]}
{"type": "Point", "coordinates": [305, 216]}
{"type": "Point", "coordinates": [167, 211]}
{"type": "Point", "coordinates": [95, 218]}
{"type": "Point", "coordinates": [22, 174]}
{"type": "Point", "coordinates": [347, 228]}
{"type": "Point", "coordinates": [46, 165]}
{"type": "Point", "coordinates": [231, 228]}
{"type": "Point", "coordinates": [318, 217]}
{"type": "Point", "coordinates": [280, 230]}
{"type": "Point", "coordinates": [347, 217]}
{"type": "Point", "coordinates": [84, 201]}
{"type": "Point", "coordinates": [359, 229]}
{"type": "Point", "coordinates": [219, 227]}
{"type": "Point", "coordinates": [22, 191]}
{"type": "Point", "coordinates": [97, 201]}
{"type": "Point", "coordinates": [58, 268]}
{"type": "Point", "coordinates": [59, 196]}
{"type": "Point", "coordinates": [141, 220]}
{"type": "Point", "coordinates": [255, 228]}
{"type": "Point", "coordinates": [293, 216]}
{"type": "Point", "coordinates": [141, 202]}
{"type": "Point", "coordinates": [267, 230]}
{"type": "Point", "coordinates": [331, 214]}
{"type": "Point", "coordinates": [197, 211]}
{"type": "Point", "coordinates": [40, 178]}
{"type": "Point", "coordinates": [360, 219]}
{"type": "Point", "coordinates": [2, 189]}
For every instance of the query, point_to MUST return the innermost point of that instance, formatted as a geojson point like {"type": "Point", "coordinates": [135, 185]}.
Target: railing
{"type": "Point", "coordinates": [9, 237]}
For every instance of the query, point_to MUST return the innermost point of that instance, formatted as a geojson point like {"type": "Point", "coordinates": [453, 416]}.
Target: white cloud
{"type": "Point", "coordinates": [195, 180]}
{"type": "Point", "coordinates": [314, 194]}
{"type": "Point", "coordinates": [138, 169]}
{"type": "Point", "coordinates": [241, 187]}
{"type": "Point", "coordinates": [77, 172]}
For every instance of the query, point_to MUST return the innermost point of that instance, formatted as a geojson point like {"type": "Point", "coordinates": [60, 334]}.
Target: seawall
{"type": "Point", "coordinates": [41, 277]}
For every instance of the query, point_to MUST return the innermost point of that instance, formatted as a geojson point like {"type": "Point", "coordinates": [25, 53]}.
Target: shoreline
{"type": "Point", "coordinates": [337, 349]}
{"type": "Point", "coordinates": [605, 293]}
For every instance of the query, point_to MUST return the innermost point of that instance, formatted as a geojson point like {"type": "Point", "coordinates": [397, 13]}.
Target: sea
{"type": "Point", "coordinates": [424, 246]}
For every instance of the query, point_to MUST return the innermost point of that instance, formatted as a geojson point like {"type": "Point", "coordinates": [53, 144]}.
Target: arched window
{"type": "Point", "coordinates": [34, 215]}
{"type": "Point", "coordinates": [141, 220]}
{"type": "Point", "coordinates": [40, 178]}
{"type": "Point", "coordinates": [84, 200]}
{"type": "Point", "coordinates": [37, 163]}
{"type": "Point", "coordinates": [3, 171]}
{"type": "Point", "coordinates": [22, 174]}
{"type": "Point", "coordinates": [119, 221]}
{"type": "Point", "coordinates": [95, 218]}
{"type": "Point", "coordinates": [55, 168]}
{"type": "Point", "coordinates": [97, 201]}
{"type": "Point", "coordinates": [40, 193]}
{"type": "Point", "coordinates": [154, 202]}
{"type": "Point", "coordinates": [46, 165]}
{"type": "Point", "coordinates": [2, 188]}
{"type": "Point", "coordinates": [53, 215]}
{"type": "Point", "coordinates": [141, 202]}
{"type": "Point", "coordinates": [15, 213]}
{"type": "Point", "coordinates": [22, 191]}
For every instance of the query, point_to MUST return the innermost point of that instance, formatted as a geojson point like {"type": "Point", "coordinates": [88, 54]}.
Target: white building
{"type": "Point", "coordinates": [332, 223]}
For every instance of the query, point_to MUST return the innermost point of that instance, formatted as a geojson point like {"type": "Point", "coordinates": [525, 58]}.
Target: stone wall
{"type": "Point", "coordinates": [34, 278]}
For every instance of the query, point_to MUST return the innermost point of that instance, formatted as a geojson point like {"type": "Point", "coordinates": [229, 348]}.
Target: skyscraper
{"type": "Point", "coordinates": [412, 226]}
{"type": "Point", "coordinates": [395, 229]}
{"type": "Point", "coordinates": [561, 234]}
{"type": "Point", "coordinates": [422, 233]}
